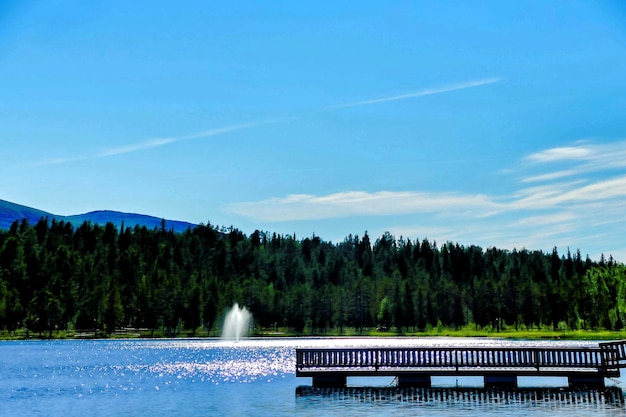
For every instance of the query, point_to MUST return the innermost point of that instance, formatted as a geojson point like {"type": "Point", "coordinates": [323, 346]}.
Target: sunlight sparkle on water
{"type": "Point", "coordinates": [215, 361]}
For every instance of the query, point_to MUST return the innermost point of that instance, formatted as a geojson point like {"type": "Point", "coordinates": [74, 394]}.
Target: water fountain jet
{"type": "Point", "coordinates": [236, 324]}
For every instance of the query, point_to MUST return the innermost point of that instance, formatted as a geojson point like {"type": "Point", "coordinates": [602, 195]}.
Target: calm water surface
{"type": "Point", "coordinates": [248, 378]}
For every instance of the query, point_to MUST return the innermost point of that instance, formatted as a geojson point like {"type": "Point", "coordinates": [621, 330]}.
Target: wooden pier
{"type": "Point", "coordinates": [499, 366]}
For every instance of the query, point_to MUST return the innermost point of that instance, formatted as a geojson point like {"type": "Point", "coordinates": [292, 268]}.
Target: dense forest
{"type": "Point", "coordinates": [54, 276]}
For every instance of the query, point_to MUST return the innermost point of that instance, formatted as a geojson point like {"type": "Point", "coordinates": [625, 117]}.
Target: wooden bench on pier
{"type": "Point", "coordinates": [500, 366]}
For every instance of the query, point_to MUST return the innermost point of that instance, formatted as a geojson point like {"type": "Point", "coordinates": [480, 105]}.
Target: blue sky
{"type": "Point", "coordinates": [490, 123]}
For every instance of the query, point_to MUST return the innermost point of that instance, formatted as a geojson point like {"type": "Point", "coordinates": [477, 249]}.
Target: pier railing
{"type": "Point", "coordinates": [605, 360]}
{"type": "Point", "coordinates": [614, 354]}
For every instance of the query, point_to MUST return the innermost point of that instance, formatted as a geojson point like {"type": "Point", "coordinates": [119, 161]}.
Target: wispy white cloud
{"type": "Point", "coordinates": [585, 157]}
{"type": "Point", "coordinates": [600, 190]}
{"type": "Point", "coordinates": [358, 203]}
{"type": "Point", "coordinates": [556, 218]}
{"type": "Point", "coordinates": [550, 176]}
{"type": "Point", "coordinates": [420, 93]}
{"type": "Point", "coordinates": [561, 154]}
{"type": "Point", "coordinates": [542, 195]}
{"type": "Point", "coordinates": [387, 203]}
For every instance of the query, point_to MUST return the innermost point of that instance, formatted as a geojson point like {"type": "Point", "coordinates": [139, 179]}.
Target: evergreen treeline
{"type": "Point", "coordinates": [57, 277]}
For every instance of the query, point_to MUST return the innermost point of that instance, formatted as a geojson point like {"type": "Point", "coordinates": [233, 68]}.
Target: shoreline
{"type": "Point", "coordinates": [542, 334]}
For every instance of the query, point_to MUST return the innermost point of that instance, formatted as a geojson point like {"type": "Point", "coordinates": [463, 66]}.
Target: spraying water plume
{"type": "Point", "coordinates": [236, 324]}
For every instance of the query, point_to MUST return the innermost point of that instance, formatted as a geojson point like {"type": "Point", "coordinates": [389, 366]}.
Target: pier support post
{"type": "Point", "coordinates": [330, 381]}
{"type": "Point", "coordinates": [500, 381]}
{"type": "Point", "coordinates": [586, 381]}
{"type": "Point", "coordinates": [414, 381]}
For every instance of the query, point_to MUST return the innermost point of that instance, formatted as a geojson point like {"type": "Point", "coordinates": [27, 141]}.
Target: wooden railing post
{"type": "Point", "coordinates": [376, 360]}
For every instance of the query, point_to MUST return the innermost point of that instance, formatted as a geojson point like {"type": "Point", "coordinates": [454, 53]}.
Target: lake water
{"type": "Point", "coordinates": [254, 377]}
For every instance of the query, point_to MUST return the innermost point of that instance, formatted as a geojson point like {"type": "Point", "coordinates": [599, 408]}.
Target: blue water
{"type": "Point", "coordinates": [248, 378]}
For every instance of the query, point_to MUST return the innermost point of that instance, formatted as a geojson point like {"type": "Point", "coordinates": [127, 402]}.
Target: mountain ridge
{"type": "Point", "coordinates": [10, 212]}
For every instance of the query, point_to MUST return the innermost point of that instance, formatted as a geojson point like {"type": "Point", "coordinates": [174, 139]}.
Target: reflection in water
{"type": "Point", "coordinates": [554, 397]}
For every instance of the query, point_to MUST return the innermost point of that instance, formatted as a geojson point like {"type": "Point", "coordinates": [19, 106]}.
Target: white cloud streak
{"type": "Point", "coordinates": [159, 142]}
{"type": "Point", "coordinates": [153, 143]}
{"type": "Point", "coordinates": [428, 92]}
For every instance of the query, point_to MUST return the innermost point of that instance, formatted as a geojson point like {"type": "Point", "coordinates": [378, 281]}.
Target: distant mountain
{"type": "Point", "coordinates": [9, 212]}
